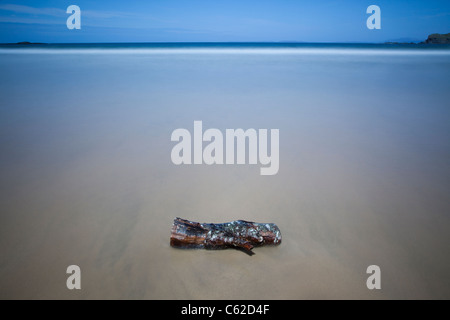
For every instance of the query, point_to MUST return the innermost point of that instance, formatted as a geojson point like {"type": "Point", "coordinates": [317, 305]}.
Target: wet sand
{"type": "Point", "coordinates": [86, 176]}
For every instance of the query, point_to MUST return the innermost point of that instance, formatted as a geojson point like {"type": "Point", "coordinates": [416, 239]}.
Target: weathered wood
{"type": "Point", "coordinates": [239, 234]}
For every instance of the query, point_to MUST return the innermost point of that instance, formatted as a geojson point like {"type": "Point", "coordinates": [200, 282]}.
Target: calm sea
{"type": "Point", "coordinates": [86, 176]}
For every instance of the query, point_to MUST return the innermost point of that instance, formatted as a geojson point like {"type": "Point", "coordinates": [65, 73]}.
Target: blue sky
{"type": "Point", "coordinates": [222, 20]}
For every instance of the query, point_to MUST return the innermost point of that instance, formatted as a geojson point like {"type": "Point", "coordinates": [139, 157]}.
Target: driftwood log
{"type": "Point", "coordinates": [239, 234]}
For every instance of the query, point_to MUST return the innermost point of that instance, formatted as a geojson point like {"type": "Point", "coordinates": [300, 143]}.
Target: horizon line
{"type": "Point", "coordinates": [212, 42]}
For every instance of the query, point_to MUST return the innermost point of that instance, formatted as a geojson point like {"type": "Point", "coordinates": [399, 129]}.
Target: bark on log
{"type": "Point", "coordinates": [239, 234]}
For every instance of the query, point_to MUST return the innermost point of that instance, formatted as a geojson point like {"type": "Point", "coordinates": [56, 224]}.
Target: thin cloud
{"type": "Point", "coordinates": [106, 20]}
{"type": "Point", "coordinates": [57, 12]}
{"type": "Point", "coordinates": [50, 16]}
{"type": "Point", "coordinates": [25, 20]}
{"type": "Point", "coordinates": [438, 15]}
{"type": "Point", "coordinates": [107, 14]}
{"type": "Point", "coordinates": [54, 12]}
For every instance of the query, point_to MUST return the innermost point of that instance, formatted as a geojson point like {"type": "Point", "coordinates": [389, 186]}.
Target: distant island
{"type": "Point", "coordinates": [27, 43]}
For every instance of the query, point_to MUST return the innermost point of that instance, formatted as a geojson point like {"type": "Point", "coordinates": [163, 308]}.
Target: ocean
{"type": "Point", "coordinates": [86, 176]}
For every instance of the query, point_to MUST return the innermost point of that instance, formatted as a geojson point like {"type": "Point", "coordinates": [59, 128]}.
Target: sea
{"type": "Point", "coordinates": [86, 176]}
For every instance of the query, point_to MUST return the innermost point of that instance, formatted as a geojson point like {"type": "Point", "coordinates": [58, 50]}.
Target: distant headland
{"type": "Point", "coordinates": [435, 38]}
{"type": "Point", "coordinates": [29, 43]}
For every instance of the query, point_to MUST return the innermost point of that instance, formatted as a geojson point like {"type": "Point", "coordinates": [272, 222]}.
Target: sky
{"type": "Point", "coordinates": [221, 20]}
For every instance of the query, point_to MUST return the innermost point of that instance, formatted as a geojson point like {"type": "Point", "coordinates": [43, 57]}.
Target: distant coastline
{"type": "Point", "coordinates": [29, 43]}
{"type": "Point", "coordinates": [435, 38]}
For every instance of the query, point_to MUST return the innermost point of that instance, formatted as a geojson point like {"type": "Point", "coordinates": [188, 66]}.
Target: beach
{"type": "Point", "coordinates": [86, 176]}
